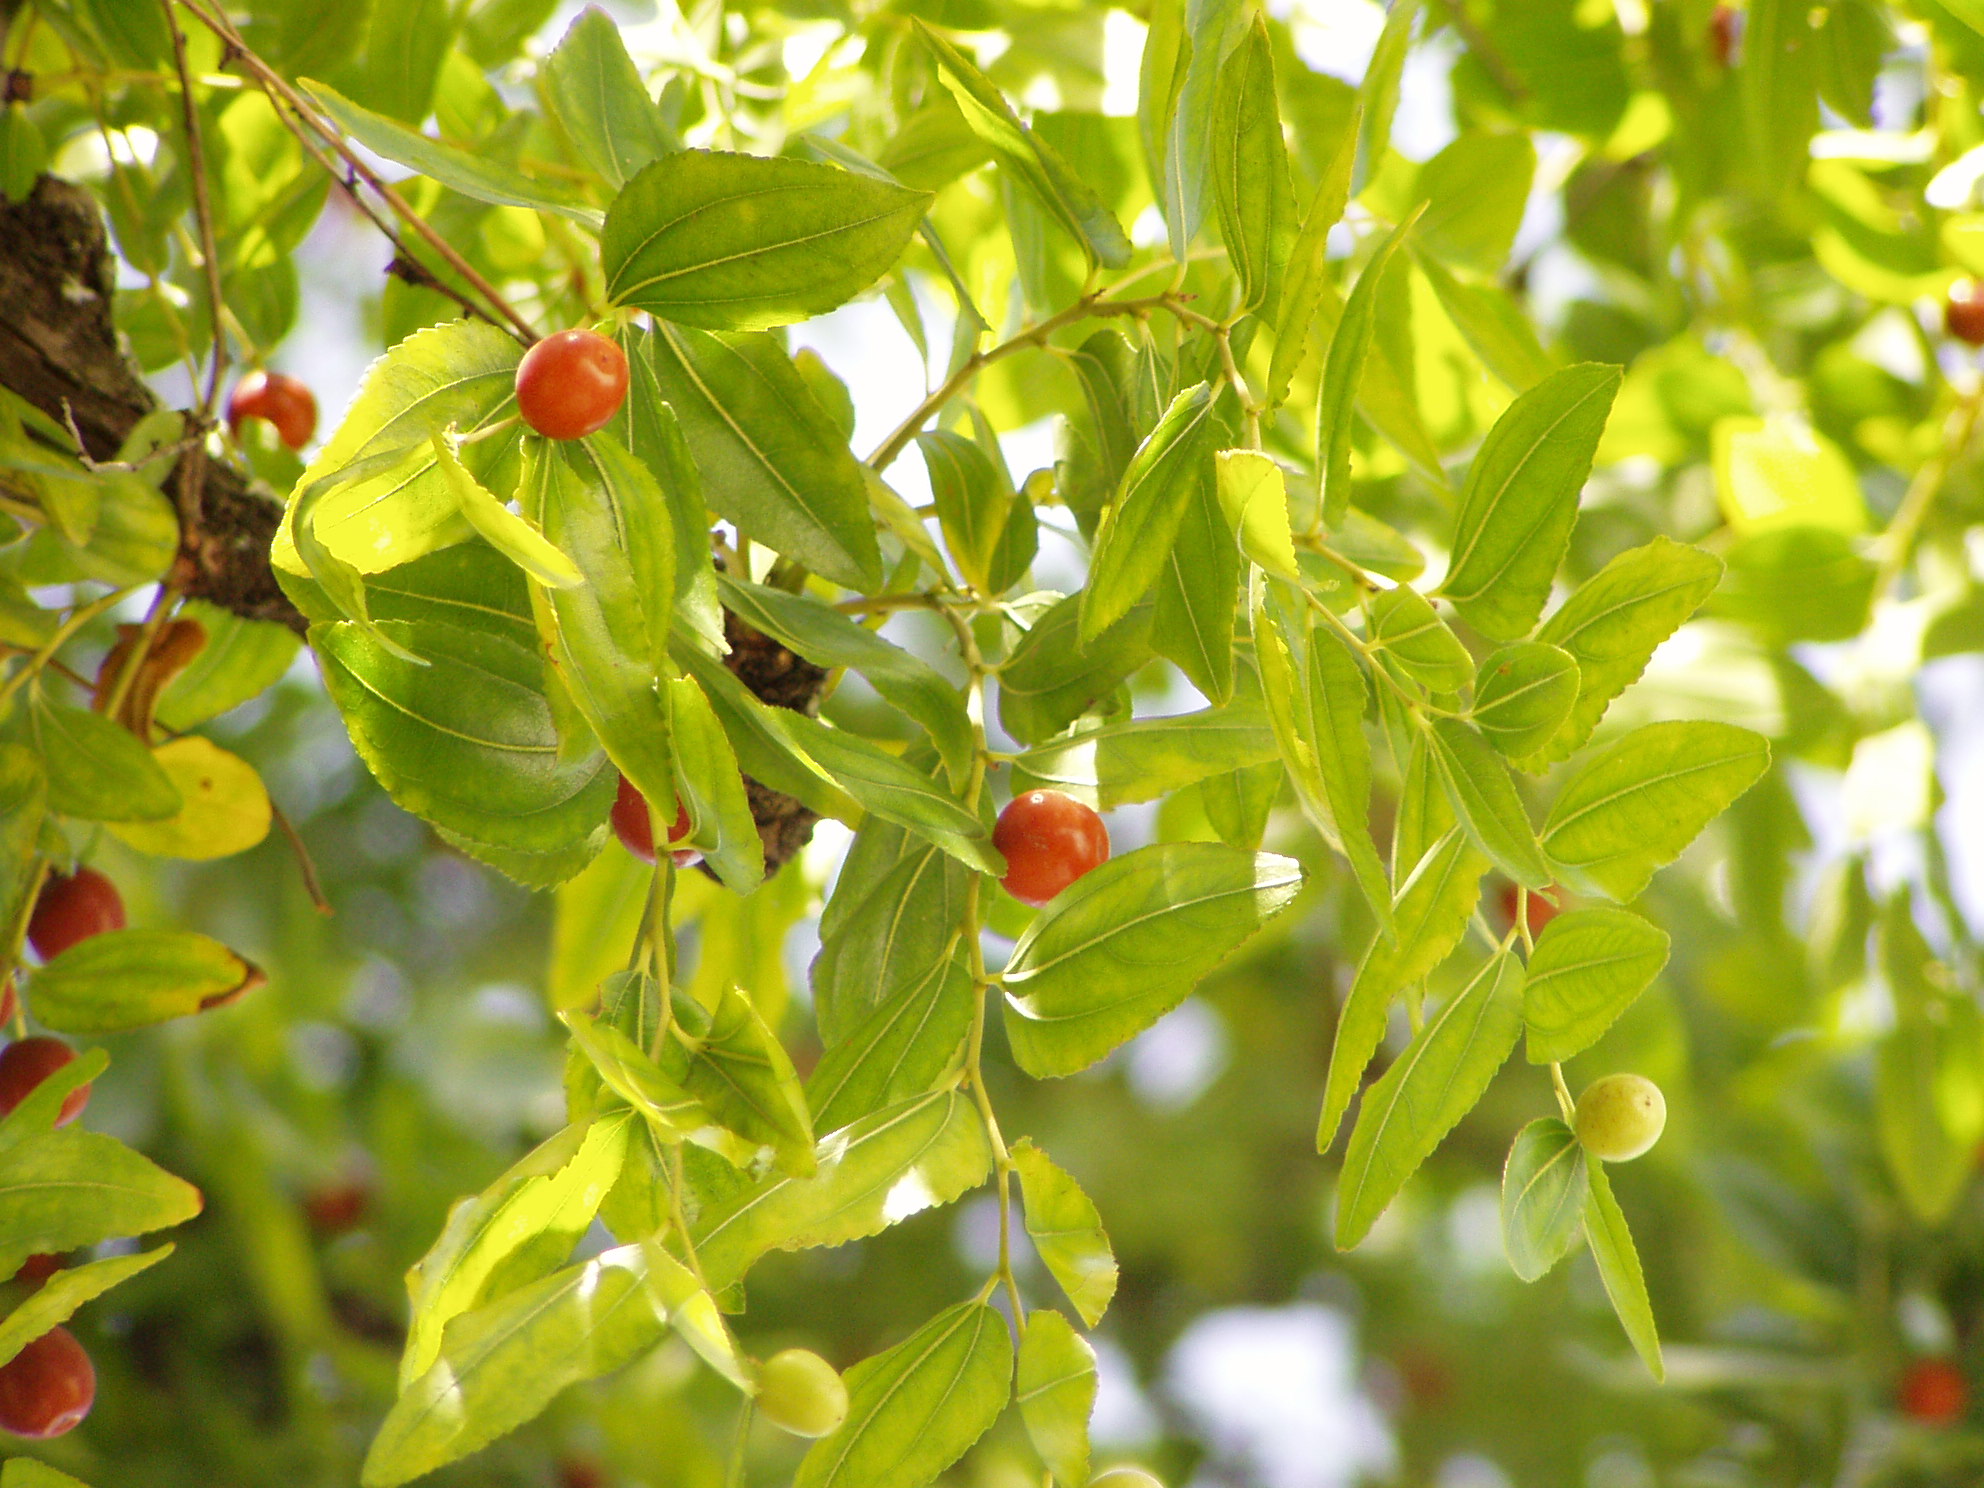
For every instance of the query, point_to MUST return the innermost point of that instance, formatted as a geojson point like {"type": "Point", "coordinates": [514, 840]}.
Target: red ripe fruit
{"type": "Point", "coordinates": [337, 1207]}
{"type": "Point", "coordinates": [1934, 1392]}
{"type": "Point", "coordinates": [1541, 910]}
{"type": "Point", "coordinates": [578, 1472]}
{"type": "Point", "coordinates": [47, 1388]}
{"type": "Point", "coordinates": [635, 828]}
{"type": "Point", "coordinates": [570, 384]}
{"type": "Point", "coordinates": [280, 399]}
{"type": "Point", "coordinates": [38, 1268]}
{"type": "Point", "coordinates": [1049, 840]}
{"type": "Point", "coordinates": [1963, 312]}
{"type": "Point", "coordinates": [71, 909]}
{"type": "Point", "coordinates": [1722, 30]}
{"type": "Point", "coordinates": [25, 1063]}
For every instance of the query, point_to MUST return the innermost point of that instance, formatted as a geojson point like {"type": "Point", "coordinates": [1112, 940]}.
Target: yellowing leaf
{"type": "Point", "coordinates": [1254, 495]}
{"type": "Point", "coordinates": [1779, 473]}
{"type": "Point", "coordinates": [224, 806]}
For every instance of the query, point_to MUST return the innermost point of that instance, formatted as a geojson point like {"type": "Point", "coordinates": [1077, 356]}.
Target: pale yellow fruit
{"type": "Point", "coordinates": [1620, 1116]}
{"type": "Point", "coordinates": [1125, 1477]}
{"type": "Point", "coordinates": [799, 1391]}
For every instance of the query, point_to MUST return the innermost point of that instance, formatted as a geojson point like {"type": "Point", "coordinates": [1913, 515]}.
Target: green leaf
{"type": "Point", "coordinates": [915, 1409]}
{"type": "Point", "coordinates": [1779, 473]}
{"type": "Point", "coordinates": [23, 1473]}
{"type": "Point", "coordinates": [1927, 1117]}
{"type": "Point", "coordinates": [1521, 499]}
{"type": "Point", "coordinates": [224, 806]}
{"type": "Point", "coordinates": [1254, 495]}
{"type": "Point", "coordinates": [1476, 190]}
{"type": "Point", "coordinates": [509, 534]}
{"type": "Point", "coordinates": [594, 920]}
{"type": "Point", "coordinates": [1431, 913]}
{"type": "Point", "coordinates": [877, 1172]}
{"type": "Point", "coordinates": [1436, 1081]}
{"type": "Point", "coordinates": [727, 1058]}
{"type": "Point", "coordinates": [1632, 808]}
{"type": "Point", "coordinates": [1797, 583]}
{"type": "Point", "coordinates": [675, 1115]}
{"type": "Point", "coordinates": [503, 1363]}
{"type": "Point", "coordinates": [1250, 170]}
{"type": "Point", "coordinates": [517, 1230]}
{"type": "Point", "coordinates": [594, 89]}
{"type": "Point", "coordinates": [468, 742]}
{"type": "Point", "coordinates": [41, 1107]}
{"type": "Point", "coordinates": [1588, 967]}
{"type": "Point", "coordinates": [472, 174]}
{"type": "Point", "coordinates": [63, 1293]}
{"type": "Point", "coordinates": [63, 1190]}
{"type": "Point", "coordinates": [1065, 197]}
{"type": "Point", "coordinates": [1615, 621]}
{"type": "Point", "coordinates": [911, 1043]}
{"type": "Point", "coordinates": [1128, 941]}
{"type": "Point", "coordinates": [1619, 1268]}
{"type": "Point", "coordinates": [1484, 797]}
{"type": "Point", "coordinates": [124, 979]}
{"type": "Point", "coordinates": [1308, 268]}
{"type": "Point", "coordinates": [1337, 700]}
{"type": "Point", "coordinates": [734, 242]}
{"type": "Point", "coordinates": [889, 926]}
{"type": "Point", "coordinates": [23, 153]}
{"type": "Point", "coordinates": [771, 458]}
{"type": "Point", "coordinates": [1544, 1185]}
{"type": "Point", "coordinates": [1145, 758]}
{"type": "Point", "coordinates": [23, 813]}
{"type": "Point", "coordinates": [710, 786]}
{"type": "Point", "coordinates": [1492, 324]}
{"type": "Point", "coordinates": [464, 374]}
{"type": "Point", "coordinates": [1377, 95]}
{"type": "Point", "coordinates": [241, 660]}
{"type": "Point", "coordinates": [97, 769]}
{"type": "Point", "coordinates": [1522, 696]}
{"type": "Point", "coordinates": [1194, 600]}
{"type": "Point", "coordinates": [974, 506]}
{"type": "Point", "coordinates": [828, 638]}
{"type": "Point", "coordinates": [1404, 623]}
{"type": "Point", "coordinates": [1067, 1232]}
{"type": "Point", "coordinates": [1343, 370]}
{"type": "Point", "coordinates": [1052, 678]}
{"type": "Point", "coordinates": [934, 147]}
{"type": "Point", "coordinates": [1779, 90]}
{"type": "Point", "coordinates": [1055, 1391]}
{"type": "Point", "coordinates": [1141, 523]}
{"type": "Point", "coordinates": [653, 436]}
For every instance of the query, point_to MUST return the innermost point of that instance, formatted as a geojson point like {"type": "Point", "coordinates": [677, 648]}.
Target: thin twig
{"type": "Point", "coordinates": [274, 83]}
{"type": "Point", "coordinates": [193, 471]}
{"type": "Point", "coordinates": [306, 865]}
{"type": "Point", "coordinates": [1898, 542]}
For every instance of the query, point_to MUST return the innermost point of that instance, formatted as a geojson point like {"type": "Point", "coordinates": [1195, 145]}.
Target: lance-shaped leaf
{"type": "Point", "coordinates": [502, 1364]}
{"type": "Point", "coordinates": [462, 374]}
{"type": "Point", "coordinates": [729, 1060]}
{"type": "Point", "coordinates": [1484, 797]}
{"type": "Point", "coordinates": [1436, 1081]}
{"type": "Point", "coordinates": [1128, 941]}
{"type": "Point", "coordinates": [67, 1290]}
{"type": "Point", "coordinates": [1588, 967]}
{"type": "Point", "coordinates": [1430, 914]}
{"type": "Point", "coordinates": [828, 638]}
{"type": "Point", "coordinates": [1522, 696]}
{"type": "Point", "coordinates": [1543, 1194]}
{"type": "Point", "coordinates": [594, 89]}
{"type": "Point", "coordinates": [1615, 621]}
{"type": "Point", "coordinates": [710, 787]}
{"type": "Point", "coordinates": [1336, 726]}
{"type": "Point", "coordinates": [468, 742]}
{"type": "Point", "coordinates": [765, 749]}
{"type": "Point", "coordinates": [1166, 63]}
{"type": "Point", "coordinates": [1632, 809]}
{"type": "Point", "coordinates": [1150, 757]}
{"type": "Point", "coordinates": [900, 1161]}
{"type": "Point", "coordinates": [515, 1231]}
{"type": "Point", "coordinates": [1521, 499]}
{"type": "Point", "coordinates": [63, 1190]}
{"type": "Point", "coordinates": [125, 979]}
{"type": "Point", "coordinates": [1619, 1268]}
{"type": "Point", "coordinates": [734, 242]}
{"type": "Point", "coordinates": [653, 436]}
{"type": "Point", "coordinates": [658, 1096]}
{"type": "Point", "coordinates": [1343, 370]}
{"type": "Point", "coordinates": [909, 1044]}
{"type": "Point", "coordinates": [1308, 267]}
{"type": "Point", "coordinates": [772, 459]}
{"type": "Point", "coordinates": [1193, 601]}
{"type": "Point", "coordinates": [466, 171]}
{"type": "Point", "coordinates": [41, 1107]}
{"type": "Point", "coordinates": [1491, 323]}
{"type": "Point", "coordinates": [1254, 495]}
{"type": "Point", "coordinates": [915, 1409]}
{"type": "Point", "coordinates": [1066, 198]}
{"type": "Point", "coordinates": [1055, 1391]}
{"type": "Point", "coordinates": [1412, 634]}
{"type": "Point", "coordinates": [891, 924]}
{"type": "Point", "coordinates": [1250, 169]}
{"type": "Point", "coordinates": [97, 769]}
{"type": "Point", "coordinates": [1066, 1230]}
{"type": "Point", "coordinates": [988, 527]}
{"type": "Point", "coordinates": [1142, 522]}
{"type": "Point", "coordinates": [513, 536]}
{"type": "Point", "coordinates": [1052, 678]}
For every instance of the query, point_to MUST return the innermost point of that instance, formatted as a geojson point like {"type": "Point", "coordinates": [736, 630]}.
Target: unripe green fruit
{"type": "Point", "coordinates": [1620, 1116]}
{"type": "Point", "coordinates": [1125, 1477]}
{"type": "Point", "coordinates": [799, 1391]}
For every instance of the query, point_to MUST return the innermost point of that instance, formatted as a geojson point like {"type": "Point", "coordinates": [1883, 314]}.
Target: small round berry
{"type": "Point", "coordinates": [25, 1063]}
{"type": "Point", "coordinates": [47, 1388]}
{"type": "Point", "coordinates": [1723, 28]}
{"type": "Point", "coordinates": [337, 1208]}
{"type": "Point", "coordinates": [800, 1391]}
{"type": "Point", "coordinates": [1933, 1391]}
{"type": "Point", "coordinates": [1049, 840]}
{"type": "Point", "coordinates": [571, 384]}
{"type": "Point", "coordinates": [1124, 1477]}
{"type": "Point", "coordinates": [1542, 909]}
{"type": "Point", "coordinates": [1963, 312]}
{"type": "Point", "coordinates": [71, 908]}
{"type": "Point", "coordinates": [279, 398]}
{"type": "Point", "coordinates": [38, 1268]}
{"type": "Point", "coordinates": [635, 827]}
{"type": "Point", "coordinates": [580, 1472]}
{"type": "Point", "coordinates": [1620, 1116]}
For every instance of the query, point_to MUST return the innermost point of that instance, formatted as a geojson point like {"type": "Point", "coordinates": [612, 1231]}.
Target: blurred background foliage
{"type": "Point", "coordinates": [1758, 211]}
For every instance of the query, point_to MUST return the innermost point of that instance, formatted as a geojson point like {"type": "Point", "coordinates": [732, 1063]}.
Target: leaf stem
{"type": "Point", "coordinates": [1564, 1102]}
